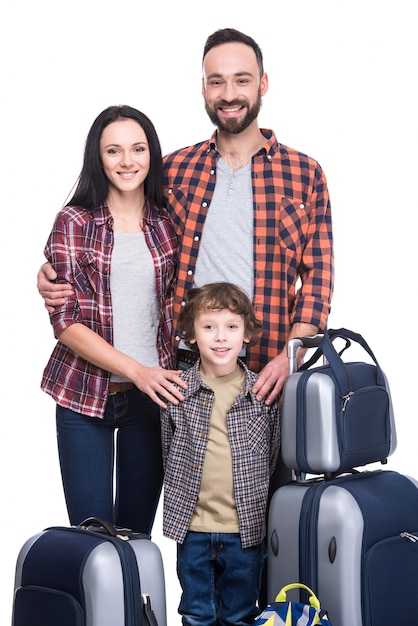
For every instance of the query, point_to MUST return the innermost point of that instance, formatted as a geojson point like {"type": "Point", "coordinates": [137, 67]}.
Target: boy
{"type": "Point", "coordinates": [220, 446]}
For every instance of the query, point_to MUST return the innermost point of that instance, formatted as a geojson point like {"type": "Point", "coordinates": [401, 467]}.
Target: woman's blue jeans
{"type": "Point", "coordinates": [220, 580]}
{"type": "Point", "coordinates": [112, 467]}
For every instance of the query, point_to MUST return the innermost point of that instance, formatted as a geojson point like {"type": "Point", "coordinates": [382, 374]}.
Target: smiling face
{"type": "Point", "coordinates": [125, 155]}
{"type": "Point", "coordinates": [232, 86]}
{"type": "Point", "coordinates": [219, 335]}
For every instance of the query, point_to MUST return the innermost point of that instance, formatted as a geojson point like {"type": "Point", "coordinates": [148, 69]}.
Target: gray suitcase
{"type": "Point", "coordinates": [88, 575]}
{"type": "Point", "coordinates": [353, 540]}
{"type": "Point", "coordinates": [319, 434]}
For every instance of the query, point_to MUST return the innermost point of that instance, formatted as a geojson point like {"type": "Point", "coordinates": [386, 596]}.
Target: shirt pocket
{"type": "Point", "coordinates": [258, 433]}
{"type": "Point", "coordinates": [293, 225]}
{"type": "Point", "coordinates": [87, 277]}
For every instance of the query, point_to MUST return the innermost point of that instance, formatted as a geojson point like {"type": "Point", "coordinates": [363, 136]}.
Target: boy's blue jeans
{"type": "Point", "coordinates": [128, 439]}
{"type": "Point", "coordinates": [220, 580]}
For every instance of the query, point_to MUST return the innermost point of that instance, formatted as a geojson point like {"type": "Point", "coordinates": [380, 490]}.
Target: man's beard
{"type": "Point", "coordinates": [233, 126]}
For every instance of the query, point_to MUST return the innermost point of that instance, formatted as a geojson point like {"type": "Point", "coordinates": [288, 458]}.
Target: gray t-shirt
{"type": "Point", "coordinates": [134, 299]}
{"type": "Point", "coordinates": [226, 248]}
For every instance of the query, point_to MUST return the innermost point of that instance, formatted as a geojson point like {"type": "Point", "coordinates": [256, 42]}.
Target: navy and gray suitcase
{"type": "Point", "coordinates": [354, 541]}
{"type": "Point", "coordinates": [338, 415]}
{"type": "Point", "coordinates": [89, 575]}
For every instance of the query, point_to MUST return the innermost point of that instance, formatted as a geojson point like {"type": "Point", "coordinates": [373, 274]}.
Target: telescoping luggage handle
{"type": "Point", "coordinates": [327, 349]}
{"type": "Point", "coordinates": [309, 341]}
{"type": "Point", "coordinates": [300, 342]}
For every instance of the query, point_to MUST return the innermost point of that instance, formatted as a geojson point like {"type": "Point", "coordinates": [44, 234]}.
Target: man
{"type": "Point", "coordinates": [250, 211]}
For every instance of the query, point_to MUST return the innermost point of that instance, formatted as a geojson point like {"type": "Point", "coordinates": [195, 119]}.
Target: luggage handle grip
{"type": "Point", "coordinates": [311, 341]}
{"type": "Point", "coordinates": [308, 341]}
{"type": "Point", "coordinates": [103, 523]}
{"type": "Point", "coordinates": [339, 367]}
{"type": "Point", "coordinates": [110, 529]}
{"type": "Point", "coordinates": [327, 349]}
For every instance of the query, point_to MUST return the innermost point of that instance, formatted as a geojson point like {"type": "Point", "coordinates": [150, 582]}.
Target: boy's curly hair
{"type": "Point", "coordinates": [217, 296]}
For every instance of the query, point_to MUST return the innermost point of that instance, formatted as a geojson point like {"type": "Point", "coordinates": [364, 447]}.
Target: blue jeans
{"type": "Point", "coordinates": [220, 580]}
{"type": "Point", "coordinates": [128, 440]}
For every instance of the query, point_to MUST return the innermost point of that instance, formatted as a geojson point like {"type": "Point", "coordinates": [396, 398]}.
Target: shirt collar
{"type": "Point", "coordinates": [102, 215]}
{"type": "Point", "coordinates": [195, 382]}
{"type": "Point", "coordinates": [270, 147]}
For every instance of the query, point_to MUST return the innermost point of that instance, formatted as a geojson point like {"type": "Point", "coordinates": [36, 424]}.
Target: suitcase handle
{"type": "Point", "coordinates": [327, 349]}
{"type": "Point", "coordinates": [148, 611]}
{"type": "Point", "coordinates": [99, 521]}
{"type": "Point", "coordinates": [311, 341]}
{"type": "Point", "coordinates": [308, 341]}
{"type": "Point", "coordinates": [99, 524]}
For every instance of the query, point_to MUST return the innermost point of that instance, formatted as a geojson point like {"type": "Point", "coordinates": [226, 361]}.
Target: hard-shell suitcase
{"type": "Point", "coordinates": [338, 415]}
{"type": "Point", "coordinates": [354, 541]}
{"type": "Point", "coordinates": [90, 575]}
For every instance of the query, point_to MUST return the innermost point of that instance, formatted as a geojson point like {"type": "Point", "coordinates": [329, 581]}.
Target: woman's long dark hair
{"type": "Point", "coordinates": [92, 185]}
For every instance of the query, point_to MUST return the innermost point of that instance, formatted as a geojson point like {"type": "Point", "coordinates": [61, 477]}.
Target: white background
{"type": "Point", "coordinates": [342, 88]}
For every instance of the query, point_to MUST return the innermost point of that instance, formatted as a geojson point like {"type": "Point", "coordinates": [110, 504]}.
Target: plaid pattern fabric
{"type": "Point", "coordinates": [254, 436]}
{"type": "Point", "coordinates": [292, 235]}
{"type": "Point", "coordinates": [80, 249]}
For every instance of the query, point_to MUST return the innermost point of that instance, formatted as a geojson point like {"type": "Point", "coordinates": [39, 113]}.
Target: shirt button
{"type": "Point", "coordinates": [196, 237]}
{"type": "Point", "coordinates": [301, 206]}
{"type": "Point", "coordinates": [189, 272]}
{"type": "Point", "coordinates": [183, 303]}
{"type": "Point", "coordinates": [177, 338]}
{"type": "Point", "coordinates": [212, 172]}
{"type": "Point", "coordinates": [204, 204]}
{"type": "Point", "coordinates": [170, 190]}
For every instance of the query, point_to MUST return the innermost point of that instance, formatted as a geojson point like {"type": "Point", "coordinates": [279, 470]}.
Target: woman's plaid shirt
{"type": "Point", "coordinates": [80, 249]}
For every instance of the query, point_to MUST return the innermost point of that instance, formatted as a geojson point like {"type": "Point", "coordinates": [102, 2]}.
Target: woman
{"type": "Point", "coordinates": [114, 243]}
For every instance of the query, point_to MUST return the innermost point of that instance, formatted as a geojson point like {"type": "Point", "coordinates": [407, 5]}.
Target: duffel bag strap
{"type": "Point", "coordinates": [327, 349]}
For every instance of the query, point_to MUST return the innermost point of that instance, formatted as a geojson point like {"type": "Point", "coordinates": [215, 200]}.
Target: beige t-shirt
{"type": "Point", "coordinates": [215, 509]}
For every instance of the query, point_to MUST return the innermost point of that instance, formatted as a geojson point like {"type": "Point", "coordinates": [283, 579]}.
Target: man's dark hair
{"type": "Point", "coordinates": [230, 35]}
